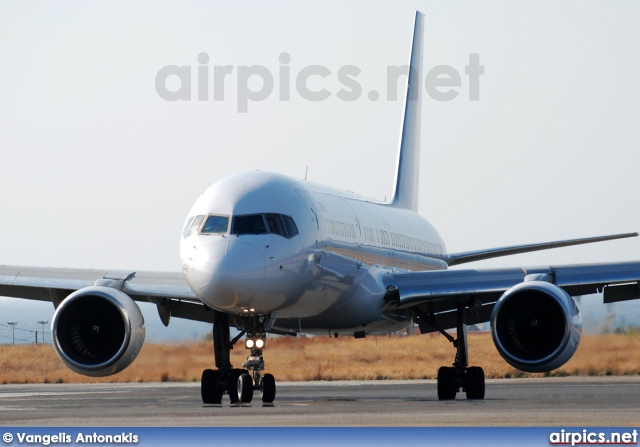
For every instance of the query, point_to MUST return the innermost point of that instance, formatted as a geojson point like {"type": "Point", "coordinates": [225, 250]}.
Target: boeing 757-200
{"type": "Point", "coordinates": [266, 253]}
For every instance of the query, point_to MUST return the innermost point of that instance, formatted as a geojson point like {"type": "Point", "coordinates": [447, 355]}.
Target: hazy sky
{"type": "Point", "coordinates": [97, 170]}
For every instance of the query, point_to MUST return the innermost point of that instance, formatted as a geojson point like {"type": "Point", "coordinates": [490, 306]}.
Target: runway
{"type": "Point", "coordinates": [570, 401]}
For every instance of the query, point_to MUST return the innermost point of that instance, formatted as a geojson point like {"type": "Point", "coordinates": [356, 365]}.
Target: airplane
{"type": "Point", "coordinates": [270, 254]}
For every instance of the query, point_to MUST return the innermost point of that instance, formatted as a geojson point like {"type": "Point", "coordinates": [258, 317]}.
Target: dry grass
{"type": "Point", "coordinates": [322, 358]}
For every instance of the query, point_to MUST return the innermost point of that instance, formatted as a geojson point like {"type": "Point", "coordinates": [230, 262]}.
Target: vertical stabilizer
{"type": "Point", "coordinates": [405, 189]}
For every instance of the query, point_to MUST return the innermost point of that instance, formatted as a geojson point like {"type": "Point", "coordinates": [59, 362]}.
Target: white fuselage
{"type": "Point", "coordinates": [326, 278]}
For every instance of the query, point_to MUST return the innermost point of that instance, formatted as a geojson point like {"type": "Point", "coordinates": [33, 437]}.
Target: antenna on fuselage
{"type": "Point", "coordinates": [406, 186]}
{"type": "Point", "coordinates": [305, 172]}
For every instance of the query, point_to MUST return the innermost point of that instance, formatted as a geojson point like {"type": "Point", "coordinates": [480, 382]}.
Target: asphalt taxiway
{"type": "Point", "coordinates": [568, 401]}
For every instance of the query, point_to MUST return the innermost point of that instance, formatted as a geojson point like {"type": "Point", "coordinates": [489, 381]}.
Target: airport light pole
{"type": "Point", "coordinates": [13, 330]}
{"type": "Point", "coordinates": [42, 323]}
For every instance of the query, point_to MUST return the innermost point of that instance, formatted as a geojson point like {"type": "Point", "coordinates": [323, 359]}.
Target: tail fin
{"type": "Point", "coordinates": [405, 189]}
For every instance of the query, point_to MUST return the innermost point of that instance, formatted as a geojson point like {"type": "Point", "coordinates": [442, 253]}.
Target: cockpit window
{"type": "Point", "coordinates": [195, 224]}
{"type": "Point", "coordinates": [275, 224]}
{"type": "Point", "coordinates": [252, 224]}
{"type": "Point", "coordinates": [290, 225]}
{"type": "Point", "coordinates": [187, 226]}
{"type": "Point", "coordinates": [279, 224]}
{"type": "Point", "coordinates": [216, 225]}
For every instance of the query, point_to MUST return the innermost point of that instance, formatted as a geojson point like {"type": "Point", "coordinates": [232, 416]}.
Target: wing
{"type": "Point", "coordinates": [435, 296]}
{"type": "Point", "coordinates": [169, 291]}
{"type": "Point", "coordinates": [478, 255]}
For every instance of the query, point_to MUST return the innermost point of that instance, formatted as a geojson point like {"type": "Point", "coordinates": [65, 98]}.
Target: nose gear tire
{"type": "Point", "coordinates": [268, 392]}
{"type": "Point", "coordinates": [245, 388]}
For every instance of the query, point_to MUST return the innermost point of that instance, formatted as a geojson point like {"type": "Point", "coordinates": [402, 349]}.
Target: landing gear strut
{"type": "Point", "coordinates": [452, 379]}
{"type": "Point", "coordinates": [237, 383]}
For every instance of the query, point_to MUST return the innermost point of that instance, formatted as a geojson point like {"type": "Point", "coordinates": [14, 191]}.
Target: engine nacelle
{"type": "Point", "coordinates": [536, 326]}
{"type": "Point", "coordinates": [98, 331]}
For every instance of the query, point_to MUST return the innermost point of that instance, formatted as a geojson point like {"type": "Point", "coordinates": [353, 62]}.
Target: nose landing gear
{"type": "Point", "coordinates": [256, 342]}
{"type": "Point", "coordinates": [266, 383]}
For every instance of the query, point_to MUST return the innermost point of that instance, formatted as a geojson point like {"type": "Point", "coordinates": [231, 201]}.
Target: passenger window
{"type": "Point", "coordinates": [216, 225]}
{"type": "Point", "coordinates": [195, 225]}
{"type": "Point", "coordinates": [253, 224]}
{"type": "Point", "coordinates": [290, 225]}
{"type": "Point", "coordinates": [275, 224]}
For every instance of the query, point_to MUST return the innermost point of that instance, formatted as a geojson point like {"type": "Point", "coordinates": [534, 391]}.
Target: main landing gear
{"type": "Point", "coordinates": [239, 384]}
{"type": "Point", "coordinates": [452, 379]}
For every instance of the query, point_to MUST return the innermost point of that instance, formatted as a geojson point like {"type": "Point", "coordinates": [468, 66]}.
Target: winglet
{"type": "Point", "coordinates": [405, 189]}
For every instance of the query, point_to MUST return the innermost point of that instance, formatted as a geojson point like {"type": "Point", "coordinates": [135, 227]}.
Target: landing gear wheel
{"type": "Point", "coordinates": [447, 383]}
{"type": "Point", "coordinates": [245, 388]}
{"type": "Point", "coordinates": [268, 392]}
{"type": "Point", "coordinates": [474, 382]}
{"type": "Point", "coordinates": [232, 384]}
{"type": "Point", "coordinates": [210, 388]}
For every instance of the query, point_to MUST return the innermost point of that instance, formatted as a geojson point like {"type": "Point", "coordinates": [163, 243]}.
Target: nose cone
{"type": "Point", "coordinates": [228, 274]}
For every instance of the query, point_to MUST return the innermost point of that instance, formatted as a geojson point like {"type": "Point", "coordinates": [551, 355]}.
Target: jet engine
{"type": "Point", "coordinates": [98, 331]}
{"type": "Point", "coordinates": [536, 326]}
